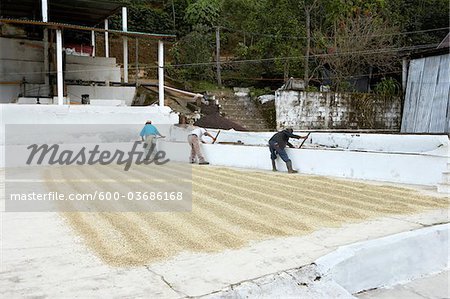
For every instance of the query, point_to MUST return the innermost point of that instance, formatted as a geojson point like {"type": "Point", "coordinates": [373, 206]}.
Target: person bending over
{"type": "Point", "coordinates": [277, 145]}
{"type": "Point", "coordinates": [194, 139]}
{"type": "Point", "coordinates": [148, 135]}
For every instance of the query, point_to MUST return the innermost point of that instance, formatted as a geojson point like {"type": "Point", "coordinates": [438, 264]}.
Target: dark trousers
{"type": "Point", "coordinates": [275, 150]}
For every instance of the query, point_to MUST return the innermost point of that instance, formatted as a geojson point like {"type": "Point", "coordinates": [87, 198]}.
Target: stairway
{"type": "Point", "coordinates": [444, 186]}
{"type": "Point", "coordinates": [241, 109]}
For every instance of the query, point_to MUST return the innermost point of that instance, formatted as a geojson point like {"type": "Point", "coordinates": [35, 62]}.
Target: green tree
{"type": "Point", "coordinates": [417, 15]}
{"type": "Point", "coordinates": [194, 52]}
{"type": "Point", "coordinates": [203, 12]}
{"type": "Point", "coordinates": [143, 17]}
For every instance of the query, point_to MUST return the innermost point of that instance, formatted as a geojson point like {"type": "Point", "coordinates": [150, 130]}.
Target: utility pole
{"type": "Point", "coordinates": [219, 78]}
{"type": "Point", "coordinates": [308, 44]}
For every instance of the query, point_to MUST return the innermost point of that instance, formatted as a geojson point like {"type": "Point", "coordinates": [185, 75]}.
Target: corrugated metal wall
{"type": "Point", "coordinates": [427, 99]}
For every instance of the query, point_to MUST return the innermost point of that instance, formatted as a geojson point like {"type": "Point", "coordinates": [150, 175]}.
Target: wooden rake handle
{"type": "Point", "coordinates": [218, 132]}
{"type": "Point", "coordinates": [304, 140]}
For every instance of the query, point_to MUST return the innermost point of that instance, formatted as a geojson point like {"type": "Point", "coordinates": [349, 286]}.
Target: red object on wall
{"type": "Point", "coordinates": [80, 49]}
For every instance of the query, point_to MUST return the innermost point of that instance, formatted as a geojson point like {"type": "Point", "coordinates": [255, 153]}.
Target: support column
{"type": "Point", "coordinates": [44, 8]}
{"type": "Point", "coordinates": [93, 42]}
{"type": "Point", "coordinates": [46, 61]}
{"type": "Point", "coordinates": [59, 67]}
{"type": "Point", "coordinates": [137, 60]}
{"type": "Point", "coordinates": [125, 45]}
{"type": "Point", "coordinates": [161, 73]}
{"type": "Point", "coordinates": [106, 39]}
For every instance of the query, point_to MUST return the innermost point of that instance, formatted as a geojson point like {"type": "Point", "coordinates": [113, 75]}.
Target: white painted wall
{"type": "Point", "coordinates": [388, 261]}
{"type": "Point", "coordinates": [132, 118]}
{"type": "Point", "coordinates": [382, 142]}
{"type": "Point", "coordinates": [422, 164]}
{"type": "Point", "coordinates": [382, 262]}
{"type": "Point", "coordinates": [328, 110]}
{"type": "Point", "coordinates": [418, 169]}
{"type": "Point", "coordinates": [84, 114]}
{"type": "Point", "coordinates": [392, 143]}
{"type": "Point", "coordinates": [124, 93]}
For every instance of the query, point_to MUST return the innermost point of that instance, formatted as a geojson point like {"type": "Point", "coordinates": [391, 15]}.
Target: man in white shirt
{"type": "Point", "coordinates": [194, 139]}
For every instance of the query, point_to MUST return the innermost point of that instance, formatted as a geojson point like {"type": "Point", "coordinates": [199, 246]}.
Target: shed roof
{"type": "Point", "coordinates": [77, 12]}
{"type": "Point", "coordinates": [445, 42]}
{"type": "Point", "coordinates": [53, 25]}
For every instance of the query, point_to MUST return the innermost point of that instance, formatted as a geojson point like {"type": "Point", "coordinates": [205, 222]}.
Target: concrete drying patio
{"type": "Point", "coordinates": [243, 225]}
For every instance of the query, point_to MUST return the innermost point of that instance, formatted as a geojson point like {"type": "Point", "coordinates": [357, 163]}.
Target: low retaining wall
{"type": "Point", "coordinates": [131, 119]}
{"type": "Point", "coordinates": [391, 143]}
{"type": "Point", "coordinates": [124, 93]}
{"type": "Point", "coordinates": [358, 156]}
{"type": "Point", "coordinates": [388, 261]}
{"type": "Point", "coordinates": [329, 110]}
{"type": "Point", "coordinates": [84, 114]}
{"type": "Point", "coordinates": [354, 268]}
{"type": "Point", "coordinates": [388, 167]}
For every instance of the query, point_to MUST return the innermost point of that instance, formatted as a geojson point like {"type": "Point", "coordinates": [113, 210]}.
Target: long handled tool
{"type": "Point", "coordinates": [217, 135]}
{"type": "Point", "coordinates": [304, 140]}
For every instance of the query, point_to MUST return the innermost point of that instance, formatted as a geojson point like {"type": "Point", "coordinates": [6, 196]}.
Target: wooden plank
{"type": "Point", "coordinates": [439, 117]}
{"type": "Point", "coordinates": [412, 94]}
{"type": "Point", "coordinates": [426, 94]}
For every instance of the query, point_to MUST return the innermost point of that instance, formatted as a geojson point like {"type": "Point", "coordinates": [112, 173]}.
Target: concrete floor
{"type": "Point", "coordinates": [432, 287]}
{"type": "Point", "coordinates": [42, 256]}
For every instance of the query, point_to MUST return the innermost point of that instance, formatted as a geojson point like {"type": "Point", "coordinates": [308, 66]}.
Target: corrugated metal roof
{"type": "Point", "coordinates": [445, 42]}
{"type": "Point", "coordinates": [76, 12]}
{"type": "Point", "coordinates": [85, 28]}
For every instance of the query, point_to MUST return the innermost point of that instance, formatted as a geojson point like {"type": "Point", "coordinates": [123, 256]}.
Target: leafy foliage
{"type": "Point", "coordinates": [203, 12]}
{"type": "Point", "coordinates": [267, 39]}
{"type": "Point", "coordinates": [194, 50]}
{"type": "Point", "coordinates": [387, 87]}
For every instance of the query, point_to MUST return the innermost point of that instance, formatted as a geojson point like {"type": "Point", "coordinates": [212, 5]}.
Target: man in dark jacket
{"type": "Point", "coordinates": [277, 144]}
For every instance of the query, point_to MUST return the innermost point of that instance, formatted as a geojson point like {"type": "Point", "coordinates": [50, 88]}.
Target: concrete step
{"type": "Point", "coordinates": [244, 113]}
{"type": "Point", "coordinates": [237, 109]}
{"type": "Point", "coordinates": [248, 118]}
{"type": "Point", "coordinates": [443, 188]}
{"type": "Point", "coordinates": [236, 105]}
{"type": "Point", "coordinates": [240, 112]}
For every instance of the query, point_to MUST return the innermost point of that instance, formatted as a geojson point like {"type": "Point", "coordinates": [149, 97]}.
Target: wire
{"type": "Point", "coordinates": [329, 37]}
{"type": "Point", "coordinates": [377, 74]}
{"type": "Point", "coordinates": [337, 54]}
{"type": "Point", "coordinates": [366, 52]}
